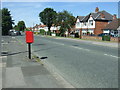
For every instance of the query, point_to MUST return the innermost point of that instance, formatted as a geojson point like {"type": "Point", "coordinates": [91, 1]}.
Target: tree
{"type": "Point", "coordinates": [6, 21]}
{"type": "Point", "coordinates": [48, 17]}
{"type": "Point", "coordinates": [66, 20]}
{"type": "Point", "coordinates": [21, 26]}
{"type": "Point", "coordinates": [16, 28]}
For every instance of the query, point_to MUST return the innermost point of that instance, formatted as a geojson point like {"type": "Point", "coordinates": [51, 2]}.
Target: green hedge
{"type": "Point", "coordinates": [76, 35]}
{"type": "Point", "coordinates": [42, 31]}
{"type": "Point", "coordinates": [106, 38]}
{"type": "Point", "coordinates": [57, 34]}
{"type": "Point", "coordinates": [49, 33]}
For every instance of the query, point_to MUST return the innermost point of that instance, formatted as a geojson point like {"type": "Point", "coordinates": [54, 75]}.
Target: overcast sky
{"type": "Point", "coordinates": [29, 11]}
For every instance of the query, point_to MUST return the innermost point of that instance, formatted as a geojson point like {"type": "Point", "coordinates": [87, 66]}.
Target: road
{"type": "Point", "coordinates": [82, 64]}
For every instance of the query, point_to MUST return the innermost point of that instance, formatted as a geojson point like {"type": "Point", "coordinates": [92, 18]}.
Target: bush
{"type": "Point", "coordinates": [76, 35]}
{"type": "Point", "coordinates": [42, 31]}
{"type": "Point", "coordinates": [28, 29]}
{"type": "Point", "coordinates": [106, 38]}
{"type": "Point", "coordinates": [57, 34]}
{"type": "Point", "coordinates": [49, 33]}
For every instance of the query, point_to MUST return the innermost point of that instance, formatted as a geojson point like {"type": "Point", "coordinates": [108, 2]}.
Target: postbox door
{"type": "Point", "coordinates": [29, 37]}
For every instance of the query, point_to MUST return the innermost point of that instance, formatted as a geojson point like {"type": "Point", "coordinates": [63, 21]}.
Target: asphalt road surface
{"type": "Point", "coordinates": [82, 64]}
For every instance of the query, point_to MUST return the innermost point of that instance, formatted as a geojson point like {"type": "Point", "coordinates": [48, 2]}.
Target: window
{"type": "Point", "coordinates": [84, 23]}
{"type": "Point", "coordinates": [91, 22]}
{"type": "Point", "coordinates": [78, 24]}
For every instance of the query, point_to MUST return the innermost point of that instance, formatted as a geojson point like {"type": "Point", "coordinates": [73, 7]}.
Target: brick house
{"type": "Point", "coordinates": [113, 28]}
{"type": "Point", "coordinates": [93, 23]}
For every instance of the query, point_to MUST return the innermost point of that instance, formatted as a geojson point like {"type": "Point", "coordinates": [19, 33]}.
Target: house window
{"type": "Point", "coordinates": [91, 22]}
{"type": "Point", "coordinates": [78, 24]}
{"type": "Point", "coordinates": [84, 32]}
{"type": "Point", "coordinates": [84, 23]}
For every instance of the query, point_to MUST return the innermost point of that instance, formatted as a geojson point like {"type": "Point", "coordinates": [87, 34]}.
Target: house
{"type": "Point", "coordinates": [93, 23]}
{"type": "Point", "coordinates": [113, 28]}
{"type": "Point", "coordinates": [37, 28]}
{"type": "Point", "coordinates": [55, 29]}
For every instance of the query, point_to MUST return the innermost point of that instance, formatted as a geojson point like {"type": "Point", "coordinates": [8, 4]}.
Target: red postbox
{"type": "Point", "coordinates": [29, 37]}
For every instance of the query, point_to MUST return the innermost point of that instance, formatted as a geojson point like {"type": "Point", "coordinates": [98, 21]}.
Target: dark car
{"type": "Point", "coordinates": [92, 35]}
{"type": "Point", "coordinates": [18, 33]}
{"type": "Point", "coordinates": [103, 34]}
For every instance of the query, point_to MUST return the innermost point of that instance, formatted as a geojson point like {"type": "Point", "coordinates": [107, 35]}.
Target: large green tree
{"type": "Point", "coordinates": [16, 28]}
{"type": "Point", "coordinates": [6, 21]}
{"type": "Point", "coordinates": [66, 20]}
{"type": "Point", "coordinates": [21, 26]}
{"type": "Point", "coordinates": [48, 17]}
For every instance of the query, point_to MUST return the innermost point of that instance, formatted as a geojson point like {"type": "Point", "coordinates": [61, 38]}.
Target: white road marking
{"type": "Point", "coordinates": [59, 43]}
{"type": "Point", "coordinates": [80, 48]}
{"type": "Point", "coordinates": [2, 40]}
{"type": "Point", "coordinates": [111, 55]}
{"type": "Point", "coordinates": [56, 43]}
{"type": "Point", "coordinates": [71, 46]}
{"type": "Point", "coordinates": [105, 44]}
{"type": "Point", "coordinates": [4, 43]}
{"type": "Point", "coordinates": [13, 37]}
{"type": "Point", "coordinates": [3, 57]}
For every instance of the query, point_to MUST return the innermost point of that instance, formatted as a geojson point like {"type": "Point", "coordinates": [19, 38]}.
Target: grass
{"type": "Point", "coordinates": [37, 59]}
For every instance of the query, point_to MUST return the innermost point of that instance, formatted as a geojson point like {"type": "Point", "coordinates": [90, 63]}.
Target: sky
{"type": "Point", "coordinates": [29, 11]}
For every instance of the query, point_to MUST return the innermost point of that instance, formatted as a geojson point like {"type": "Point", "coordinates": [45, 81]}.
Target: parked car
{"type": "Point", "coordinates": [14, 33]}
{"type": "Point", "coordinates": [18, 33]}
{"type": "Point", "coordinates": [92, 35]}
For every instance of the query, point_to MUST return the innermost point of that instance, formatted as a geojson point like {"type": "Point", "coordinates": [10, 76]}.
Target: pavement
{"type": "Point", "coordinates": [20, 72]}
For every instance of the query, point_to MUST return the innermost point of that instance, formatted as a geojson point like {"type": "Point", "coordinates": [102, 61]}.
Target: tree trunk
{"type": "Point", "coordinates": [49, 30]}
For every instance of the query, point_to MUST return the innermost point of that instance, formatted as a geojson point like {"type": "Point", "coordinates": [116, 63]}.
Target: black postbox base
{"type": "Point", "coordinates": [29, 50]}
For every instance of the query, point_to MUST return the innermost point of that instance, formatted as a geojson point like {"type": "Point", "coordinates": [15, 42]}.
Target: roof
{"type": "Point", "coordinates": [80, 17]}
{"type": "Point", "coordinates": [108, 16]}
{"type": "Point", "coordinates": [97, 16]}
{"type": "Point", "coordinates": [38, 26]}
{"type": "Point", "coordinates": [113, 25]}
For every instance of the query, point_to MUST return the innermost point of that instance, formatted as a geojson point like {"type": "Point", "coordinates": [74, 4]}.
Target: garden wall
{"type": "Point", "coordinates": [115, 39]}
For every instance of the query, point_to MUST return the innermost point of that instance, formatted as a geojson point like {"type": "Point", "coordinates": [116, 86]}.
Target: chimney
{"type": "Point", "coordinates": [114, 17]}
{"type": "Point", "coordinates": [97, 9]}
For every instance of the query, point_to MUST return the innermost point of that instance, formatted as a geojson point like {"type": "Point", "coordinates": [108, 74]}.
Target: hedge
{"type": "Point", "coordinates": [106, 38]}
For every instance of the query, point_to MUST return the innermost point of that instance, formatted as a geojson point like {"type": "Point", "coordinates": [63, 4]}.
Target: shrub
{"type": "Point", "coordinates": [57, 34]}
{"type": "Point", "coordinates": [106, 38]}
{"type": "Point", "coordinates": [28, 29]}
{"type": "Point", "coordinates": [49, 33]}
{"type": "Point", "coordinates": [76, 35]}
{"type": "Point", "coordinates": [42, 31]}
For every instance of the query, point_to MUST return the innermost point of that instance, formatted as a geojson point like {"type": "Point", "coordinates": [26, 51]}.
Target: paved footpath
{"type": "Point", "coordinates": [20, 72]}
